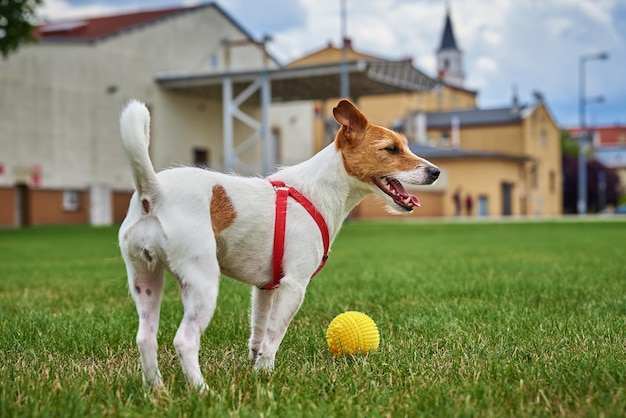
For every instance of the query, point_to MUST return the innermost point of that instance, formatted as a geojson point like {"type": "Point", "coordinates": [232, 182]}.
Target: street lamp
{"type": "Point", "coordinates": [583, 134]}
{"type": "Point", "coordinates": [345, 77]}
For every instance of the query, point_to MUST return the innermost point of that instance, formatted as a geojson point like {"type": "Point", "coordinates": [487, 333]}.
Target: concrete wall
{"type": "Point", "coordinates": [294, 123]}
{"type": "Point", "coordinates": [60, 102]}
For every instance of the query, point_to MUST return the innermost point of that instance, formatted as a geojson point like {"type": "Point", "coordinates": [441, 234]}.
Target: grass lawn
{"type": "Point", "coordinates": [500, 319]}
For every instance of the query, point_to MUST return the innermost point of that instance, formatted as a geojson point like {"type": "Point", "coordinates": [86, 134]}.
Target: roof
{"type": "Point", "coordinates": [331, 54]}
{"type": "Point", "coordinates": [98, 28]}
{"type": "Point", "coordinates": [473, 117]}
{"type": "Point", "coordinates": [448, 41]}
{"type": "Point", "coordinates": [607, 136]}
{"type": "Point", "coordinates": [316, 82]}
{"type": "Point", "coordinates": [429, 152]}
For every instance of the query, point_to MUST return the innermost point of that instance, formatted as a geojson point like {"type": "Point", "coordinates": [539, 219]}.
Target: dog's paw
{"type": "Point", "coordinates": [201, 389]}
{"type": "Point", "coordinates": [264, 363]}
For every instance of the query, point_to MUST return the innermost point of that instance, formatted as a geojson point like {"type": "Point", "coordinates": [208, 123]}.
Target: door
{"type": "Point", "coordinates": [22, 205]}
{"type": "Point", "coordinates": [482, 206]}
{"type": "Point", "coordinates": [506, 199]}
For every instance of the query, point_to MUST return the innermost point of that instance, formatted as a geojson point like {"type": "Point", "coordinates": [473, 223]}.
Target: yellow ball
{"type": "Point", "coordinates": [352, 333]}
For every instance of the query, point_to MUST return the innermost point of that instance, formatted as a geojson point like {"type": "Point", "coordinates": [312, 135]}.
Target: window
{"type": "Point", "coordinates": [544, 138]}
{"type": "Point", "coordinates": [277, 140]}
{"type": "Point", "coordinates": [483, 205]}
{"type": "Point", "coordinates": [552, 181]}
{"type": "Point", "coordinates": [201, 157]}
{"type": "Point", "coordinates": [445, 139]}
{"type": "Point", "coordinates": [534, 178]}
{"type": "Point", "coordinates": [214, 62]}
{"type": "Point", "coordinates": [71, 200]}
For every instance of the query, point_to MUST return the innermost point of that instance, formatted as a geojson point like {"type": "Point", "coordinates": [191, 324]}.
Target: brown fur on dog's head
{"type": "Point", "coordinates": [371, 152]}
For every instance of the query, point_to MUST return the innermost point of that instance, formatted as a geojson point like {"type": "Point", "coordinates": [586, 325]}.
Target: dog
{"type": "Point", "coordinates": [198, 224]}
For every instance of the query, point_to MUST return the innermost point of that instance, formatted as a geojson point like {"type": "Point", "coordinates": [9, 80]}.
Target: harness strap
{"type": "Point", "coordinates": [283, 192]}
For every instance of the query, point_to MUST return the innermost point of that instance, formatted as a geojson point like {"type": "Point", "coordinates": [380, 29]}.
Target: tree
{"type": "Point", "coordinates": [15, 24]}
{"type": "Point", "coordinates": [595, 195]}
{"type": "Point", "coordinates": [569, 145]}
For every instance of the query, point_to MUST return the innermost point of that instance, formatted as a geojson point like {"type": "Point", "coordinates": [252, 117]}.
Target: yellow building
{"type": "Point", "coordinates": [507, 160]}
{"type": "Point", "coordinates": [500, 162]}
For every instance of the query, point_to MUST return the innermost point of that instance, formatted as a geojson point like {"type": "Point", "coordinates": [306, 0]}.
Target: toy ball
{"type": "Point", "coordinates": [352, 333]}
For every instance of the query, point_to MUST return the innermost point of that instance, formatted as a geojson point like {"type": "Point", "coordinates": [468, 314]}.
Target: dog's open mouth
{"type": "Point", "coordinates": [394, 189]}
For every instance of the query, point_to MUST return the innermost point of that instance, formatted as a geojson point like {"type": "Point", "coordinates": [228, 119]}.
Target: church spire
{"type": "Point", "coordinates": [448, 41]}
{"type": "Point", "coordinates": [449, 56]}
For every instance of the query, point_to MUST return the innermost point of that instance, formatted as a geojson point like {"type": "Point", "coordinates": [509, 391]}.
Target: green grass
{"type": "Point", "coordinates": [501, 319]}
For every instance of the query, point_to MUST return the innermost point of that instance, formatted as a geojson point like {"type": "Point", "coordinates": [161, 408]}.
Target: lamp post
{"type": "Point", "coordinates": [584, 135]}
{"type": "Point", "coordinates": [345, 77]}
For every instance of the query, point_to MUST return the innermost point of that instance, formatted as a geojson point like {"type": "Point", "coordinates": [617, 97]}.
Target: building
{"type": "Point", "coordinates": [208, 84]}
{"type": "Point", "coordinates": [609, 147]}
{"type": "Point", "coordinates": [61, 160]}
{"type": "Point", "coordinates": [450, 57]}
{"type": "Point", "coordinates": [504, 162]}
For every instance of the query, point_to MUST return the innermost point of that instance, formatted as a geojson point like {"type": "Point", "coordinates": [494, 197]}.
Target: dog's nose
{"type": "Point", "coordinates": [434, 171]}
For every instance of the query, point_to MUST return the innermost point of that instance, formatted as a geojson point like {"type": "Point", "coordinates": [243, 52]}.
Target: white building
{"type": "Point", "coordinates": [61, 159]}
{"type": "Point", "coordinates": [209, 86]}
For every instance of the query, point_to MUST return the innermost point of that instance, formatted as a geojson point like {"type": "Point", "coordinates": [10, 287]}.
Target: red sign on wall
{"type": "Point", "coordinates": [35, 175]}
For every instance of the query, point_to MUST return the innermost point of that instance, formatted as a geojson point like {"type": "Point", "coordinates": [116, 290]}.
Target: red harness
{"type": "Point", "coordinates": [282, 194]}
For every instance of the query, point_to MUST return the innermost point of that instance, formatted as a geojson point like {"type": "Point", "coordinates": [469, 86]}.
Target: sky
{"type": "Point", "coordinates": [508, 45]}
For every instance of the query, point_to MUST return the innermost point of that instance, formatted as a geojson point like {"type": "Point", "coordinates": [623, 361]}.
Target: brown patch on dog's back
{"type": "Point", "coordinates": [223, 212]}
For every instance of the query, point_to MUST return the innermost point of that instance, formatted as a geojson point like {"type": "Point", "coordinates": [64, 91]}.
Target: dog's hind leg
{"type": "Point", "coordinates": [146, 288]}
{"type": "Point", "coordinates": [199, 281]}
{"type": "Point", "coordinates": [261, 308]}
{"type": "Point", "coordinates": [287, 302]}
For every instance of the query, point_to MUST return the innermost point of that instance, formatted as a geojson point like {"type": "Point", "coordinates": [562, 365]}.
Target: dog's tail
{"type": "Point", "coordinates": [135, 129]}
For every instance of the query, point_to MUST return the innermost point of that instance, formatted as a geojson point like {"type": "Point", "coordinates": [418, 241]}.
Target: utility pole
{"type": "Point", "coordinates": [583, 136]}
{"type": "Point", "coordinates": [345, 80]}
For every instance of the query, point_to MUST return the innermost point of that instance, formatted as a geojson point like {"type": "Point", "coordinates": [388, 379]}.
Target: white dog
{"type": "Point", "coordinates": [198, 223]}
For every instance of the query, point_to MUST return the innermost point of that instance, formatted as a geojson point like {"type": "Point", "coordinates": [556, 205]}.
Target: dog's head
{"type": "Point", "coordinates": [380, 158]}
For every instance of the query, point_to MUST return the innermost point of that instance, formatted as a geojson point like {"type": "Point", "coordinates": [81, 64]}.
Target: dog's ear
{"type": "Point", "coordinates": [353, 122]}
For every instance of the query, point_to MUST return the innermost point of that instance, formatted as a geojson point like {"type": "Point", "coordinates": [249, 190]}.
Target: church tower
{"type": "Point", "coordinates": [449, 56]}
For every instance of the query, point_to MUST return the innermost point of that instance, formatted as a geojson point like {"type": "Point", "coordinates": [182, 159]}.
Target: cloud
{"type": "Point", "coordinates": [534, 44]}
{"type": "Point", "coordinates": [280, 15]}
{"type": "Point", "coordinates": [62, 9]}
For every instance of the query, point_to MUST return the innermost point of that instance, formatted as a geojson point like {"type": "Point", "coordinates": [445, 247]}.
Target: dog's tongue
{"type": "Point", "coordinates": [403, 196]}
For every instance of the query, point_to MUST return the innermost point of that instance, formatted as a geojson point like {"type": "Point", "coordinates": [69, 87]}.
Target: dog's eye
{"type": "Point", "coordinates": [392, 149]}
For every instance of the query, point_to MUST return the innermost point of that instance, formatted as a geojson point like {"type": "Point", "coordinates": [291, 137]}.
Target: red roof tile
{"type": "Point", "coordinates": [92, 29]}
{"type": "Point", "coordinates": [608, 136]}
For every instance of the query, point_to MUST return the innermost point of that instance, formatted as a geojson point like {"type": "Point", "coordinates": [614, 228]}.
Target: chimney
{"type": "Point", "coordinates": [347, 43]}
{"type": "Point", "coordinates": [515, 105]}
{"type": "Point", "coordinates": [420, 127]}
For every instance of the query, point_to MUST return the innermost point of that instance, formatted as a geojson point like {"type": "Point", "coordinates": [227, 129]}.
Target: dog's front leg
{"type": "Point", "coordinates": [259, 318]}
{"type": "Point", "coordinates": [287, 302]}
